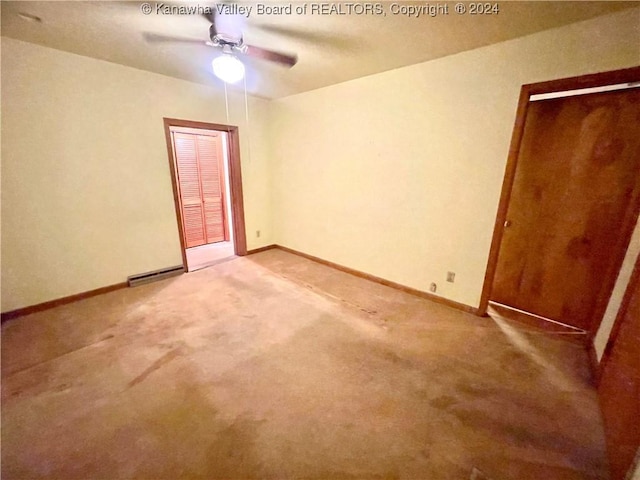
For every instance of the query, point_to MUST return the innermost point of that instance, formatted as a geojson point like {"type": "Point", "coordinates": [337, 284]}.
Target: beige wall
{"type": "Point", "coordinates": [399, 174]}
{"type": "Point", "coordinates": [86, 190]}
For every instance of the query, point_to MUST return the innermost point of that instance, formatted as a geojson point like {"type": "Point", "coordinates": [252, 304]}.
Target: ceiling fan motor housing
{"type": "Point", "coordinates": [220, 39]}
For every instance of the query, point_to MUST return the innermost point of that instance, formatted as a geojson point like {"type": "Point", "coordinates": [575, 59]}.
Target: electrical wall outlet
{"type": "Point", "coordinates": [451, 276]}
{"type": "Point", "coordinates": [257, 233]}
{"type": "Point", "coordinates": [433, 287]}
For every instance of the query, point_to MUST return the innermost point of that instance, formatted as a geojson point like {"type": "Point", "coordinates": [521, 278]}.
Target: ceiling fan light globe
{"type": "Point", "coordinates": [228, 68]}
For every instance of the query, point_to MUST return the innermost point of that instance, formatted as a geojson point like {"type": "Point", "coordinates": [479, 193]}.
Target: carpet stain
{"type": "Point", "coordinates": [512, 433]}
{"type": "Point", "coordinates": [443, 402]}
{"type": "Point", "coordinates": [476, 390]}
{"type": "Point", "coordinates": [163, 360]}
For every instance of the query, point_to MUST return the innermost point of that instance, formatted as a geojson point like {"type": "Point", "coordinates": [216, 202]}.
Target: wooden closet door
{"type": "Point", "coordinates": [213, 186]}
{"type": "Point", "coordinates": [577, 179]}
{"type": "Point", "coordinates": [200, 169]}
{"type": "Point", "coordinates": [185, 148]}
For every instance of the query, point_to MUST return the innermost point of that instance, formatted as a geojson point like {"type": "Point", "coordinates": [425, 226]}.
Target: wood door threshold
{"type": "Point", "coordinates": [539, 323]}
{"type": "Point", "coordinates": [211, 263]}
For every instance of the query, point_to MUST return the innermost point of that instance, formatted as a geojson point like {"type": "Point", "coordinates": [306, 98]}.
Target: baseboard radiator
{"type": "Point", "coordinates": [142, 278]}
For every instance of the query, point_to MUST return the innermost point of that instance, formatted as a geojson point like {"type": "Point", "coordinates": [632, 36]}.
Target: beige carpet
{"type": "Point", "coordinates": [272, 366]}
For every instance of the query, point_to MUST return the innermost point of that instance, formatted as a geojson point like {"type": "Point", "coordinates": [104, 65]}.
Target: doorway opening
{"type": "Point", "coordinates": [204, 161]}
{"type": "Point", "coordinates": [570, 201]}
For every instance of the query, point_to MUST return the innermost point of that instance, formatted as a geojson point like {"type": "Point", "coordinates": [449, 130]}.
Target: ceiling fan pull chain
{"type": "Point", "coordinates": [226, 102]}
{"type": "Point", "coordinates": [246, 114]}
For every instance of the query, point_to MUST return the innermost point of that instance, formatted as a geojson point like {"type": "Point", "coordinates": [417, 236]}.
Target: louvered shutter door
{"type": "Point", "coordinates": [185, 147]}
{"type": "Point", "coordinates": [212, 182]}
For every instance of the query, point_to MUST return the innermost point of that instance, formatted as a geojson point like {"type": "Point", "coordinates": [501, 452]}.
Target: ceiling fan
{"type": "Point", "coordinates": [227, 66]}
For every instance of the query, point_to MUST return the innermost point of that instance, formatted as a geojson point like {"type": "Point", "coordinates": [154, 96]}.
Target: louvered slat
{"type": "Point", "coordinates": [209, 168]}
{"type": "Point", "coordinates": [187, 163]}
{"type": "Point", "coordinates": [212, 183]}
{"type": "Point", "coordinates": [214, 223]}
{"type": "Point", "coordinates": [193, 227]}
{"type": "Point", "coordinates": [190, 192]}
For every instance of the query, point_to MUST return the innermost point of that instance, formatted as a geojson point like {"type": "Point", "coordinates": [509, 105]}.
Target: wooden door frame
{"type": "Point", "coordinates": [235, 181]}
{"type": "Point", "coordinates": [634, 283]}
{"type": "Point", "coordinates": [632, 288]}
{"type": "Point", "coordinates": [626, 75]}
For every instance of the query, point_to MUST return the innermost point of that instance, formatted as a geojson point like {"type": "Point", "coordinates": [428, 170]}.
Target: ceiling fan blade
{"type": "Point", "coordinates": [211, 16]}
{"type": "Point", "coordinates": [306, 36]}
{"type": "Point", "coordinates": [158, 38]}
{"type": "Point", "coordinates": [263, 53]}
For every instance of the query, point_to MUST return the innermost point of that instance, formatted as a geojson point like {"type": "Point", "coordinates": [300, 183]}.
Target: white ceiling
{"type": "Point", "coordinates": [330, 48]}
